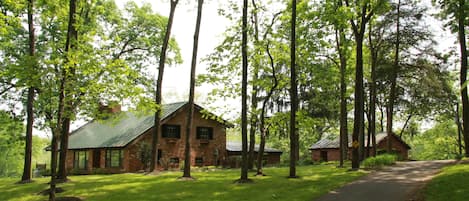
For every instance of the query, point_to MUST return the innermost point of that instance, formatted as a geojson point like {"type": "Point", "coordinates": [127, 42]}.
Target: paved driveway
{"type": "Point", "coordinates": [395, 183]}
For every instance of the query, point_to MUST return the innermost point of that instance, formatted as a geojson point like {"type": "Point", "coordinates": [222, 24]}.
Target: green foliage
{"type": "Point", "coordinates": [450, 184]}
{"type": "Point", "coordinates": [439, 142]}
{"type": "Point", "coordinates": [379, 161]}
{"type": "Point", "coordinates": [11, 145]}
{"type": "Point", "coordinates": [209, 185]}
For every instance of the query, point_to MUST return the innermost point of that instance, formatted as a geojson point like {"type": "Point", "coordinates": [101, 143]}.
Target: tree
{"type": "Point", "coordinates": [30, 101]}
{"type": "Point", "coordinates": [244, 155]}
{"type": "Point", "coordinates": [455, 12]}
{"type": "Point", "coordinates": [293, 96]}
{"type": "Point", "coordinates": [159, 82]}
{"type": "Point", "coordinates": [187, 152]}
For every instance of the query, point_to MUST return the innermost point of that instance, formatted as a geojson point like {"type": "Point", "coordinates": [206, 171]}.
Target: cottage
{"type": "Point", "coordinates": [328, 149]}
{"type": "Point", "coordinates": [121, 142]}
{"type": "Point", "coordinates": [233, 149]}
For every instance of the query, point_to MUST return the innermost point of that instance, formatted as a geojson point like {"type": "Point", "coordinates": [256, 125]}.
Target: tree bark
{"type": "Point", "coordinates": [372, 119]}
{"type": "Point", "coordinates": [392, 95]}
{"type": "Point", "coordinates": [293, 96]}
{"type": "Point", "coordinates": [254, 93]}
{"type": "Point", "coordinates": [71, 35]}
{"type": "Point", "coordinates": [359, 32]}
{"type": "Point", "coordinates": [187, 159]}
{"type": "Point", "coordinates": [458, 124]}
{"type": "Point", "coordinates": [463, 74]}
{"type": "Point", "coordinates": [343, 138]}
{"type": "Point", "coordinates": [159, 84]}
{"type": "Point", "coordinates": [244, 134]}
{"type": "Point", "coordinates": [263, 128]}
{"type": "Point", "coordinates": [26, 177]}
{"type": "Point", "coordinates": [62, 174]}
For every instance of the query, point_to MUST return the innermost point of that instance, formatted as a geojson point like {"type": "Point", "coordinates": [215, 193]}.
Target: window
{"type": "Point", "coordinates": [171, 131]}
{"type": "Point", "coordinates": [80, 160]}
{"type": "Point", "coordinates": [204, 133]}
{"type": "Point", "coordinates": [114, 158]}
{"type": "Point", "coordinates": [199, 161]}
{"type": "Point", "coordinates": [174, 160]}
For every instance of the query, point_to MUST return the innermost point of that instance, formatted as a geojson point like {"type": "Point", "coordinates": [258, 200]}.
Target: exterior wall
{"type": "Point", "coordinates": [399, 148]}
{"type": "Point", "coordinates": [333, 154]}
{"type": "Point", "coordinates": [171, 148]}
{"type": "Point", "coordinates": [234, 159]}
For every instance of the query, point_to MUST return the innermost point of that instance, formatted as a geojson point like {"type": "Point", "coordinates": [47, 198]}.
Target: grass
{"type": "Point", "coordinates": [450, 185]}
{"type": "Point", "coordinates": [214, 185]}
{"type": "Point", "coordinates": [379, 161]}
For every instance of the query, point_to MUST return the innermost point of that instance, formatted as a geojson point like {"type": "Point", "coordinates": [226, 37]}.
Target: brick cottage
{"type": "Point", "coordinates": [121, 142]}
{"type": "Point", "coordinates": [328, 149]}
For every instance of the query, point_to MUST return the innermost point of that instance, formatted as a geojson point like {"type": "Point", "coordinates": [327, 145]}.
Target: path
{"type": "Point", "coordinates": [395, 183]}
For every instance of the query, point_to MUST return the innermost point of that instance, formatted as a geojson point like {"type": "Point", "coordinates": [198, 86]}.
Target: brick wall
{"type": "Point", "coordinates": [171, 148]}
{"type": "Point", "coordinates": [333, 154]}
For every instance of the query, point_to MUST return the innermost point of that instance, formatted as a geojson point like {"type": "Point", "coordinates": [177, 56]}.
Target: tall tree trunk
{"type": "Point", "coordinates": [263, 128]}
{"type": "Point", "coordinates": [244, 119]}
{"type": "Point", "coordinates": [343, 138]}
{"type": "Point", "coordinates": [254, 93]}
{"type": "Point", "coordinates": [392, 95]}
{"type": "Point", "coordinates": [72, 40]}
{"type": "Point", "coordinates": [71, 35]}
{"type": "Point", "coordinates": [62, 174]}
{"type": "Point", "coordinates": [26, 177]}
{"type": "Point", "coordinates": [293, 96]}
{"type": "Point", "coordinates": [372, 120]}
{"type": "Point", "coordinates": [358, 122]}
{"type": "Point", "coordinates": [458, 124]}
{"type": "Point", "coordinates": [159, 84]}
{"type": "Point", "coordinates": [187, 150]}
{"type": "Point", "coordinates": [463, 74]}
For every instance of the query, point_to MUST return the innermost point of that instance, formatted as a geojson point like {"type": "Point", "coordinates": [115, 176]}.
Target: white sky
{"type": "Point", "coordinates": [176, 78]}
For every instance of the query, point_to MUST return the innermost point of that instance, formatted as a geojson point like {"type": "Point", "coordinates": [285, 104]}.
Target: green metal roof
{"type": "Point", "coordinates": [117, 131]}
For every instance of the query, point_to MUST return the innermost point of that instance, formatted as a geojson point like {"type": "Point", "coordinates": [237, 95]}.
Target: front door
{"type": "Point", "coordinates": [324, 156]}
{"type": "Point", "coordinates": [96, 158]}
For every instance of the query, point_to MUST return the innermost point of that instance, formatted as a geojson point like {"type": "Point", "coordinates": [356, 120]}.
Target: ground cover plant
{"type": "Point", "coordinates": [450, 184]}
{"type": "Point", "coordinates": [210, 185]}
{"type": "Point", "coordinates": [379, 161]}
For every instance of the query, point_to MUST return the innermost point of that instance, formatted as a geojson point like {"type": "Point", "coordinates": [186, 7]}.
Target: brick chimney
{"type": "Point", "coordinates": [109, 109]}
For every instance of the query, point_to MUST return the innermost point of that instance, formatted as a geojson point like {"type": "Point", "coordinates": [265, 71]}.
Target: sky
{"type": "Point", "coordinates": [176, 77]}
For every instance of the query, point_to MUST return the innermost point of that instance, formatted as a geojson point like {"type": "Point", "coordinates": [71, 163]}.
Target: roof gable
{"type": "Point", "coordinates": [119, 130]}
{"type": "Point", "coordinates": [326, 143]}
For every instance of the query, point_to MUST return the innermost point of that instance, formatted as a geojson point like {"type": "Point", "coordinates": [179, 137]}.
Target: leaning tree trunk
{"type": "Point", "coordinates": [30, 102]}
{"type": "Point", "coordinates": [159, 83]}
{"type": "Point", "coordinates": [187, 150]}
{"type": "Point", "coordinates": [463, 74]}
{"type": "Point", "coordinates": [263, 128]}
{"type": "Point", "coordinates": [293, 96]}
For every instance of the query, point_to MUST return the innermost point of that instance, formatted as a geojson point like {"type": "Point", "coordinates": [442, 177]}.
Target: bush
{"type": "Point", "coordinates": [380, 161]}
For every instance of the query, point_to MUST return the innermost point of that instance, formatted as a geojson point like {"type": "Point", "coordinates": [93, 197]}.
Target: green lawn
{"type": "Point", "coordinates": [214, 185]}
{"type": "Point", "coordinates": [452, 184]}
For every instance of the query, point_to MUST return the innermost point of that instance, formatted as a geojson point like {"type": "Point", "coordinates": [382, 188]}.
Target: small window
{"type": "Point", "coordinates": [199, 161]}
{"type": "Point", "coordinates": [80, 160]}
{"type": "Point", "coordinates": [204, 133]}
{"type": "Point", "coordinates": [114, 158]}
{"type": "Point", "coordinates": [174, 160]}
{"type": "Point", "coordinates": [171, 131]}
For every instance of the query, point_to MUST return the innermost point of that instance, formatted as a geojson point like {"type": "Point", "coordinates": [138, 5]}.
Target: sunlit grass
{"type": "Point", "coordinates": [216, 185]}
{"type": "Point", "coordinates": [451, 184]}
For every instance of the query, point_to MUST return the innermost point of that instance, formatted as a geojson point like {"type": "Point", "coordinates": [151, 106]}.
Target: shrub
{"type": "Point", "coordinates": [379, 161]}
